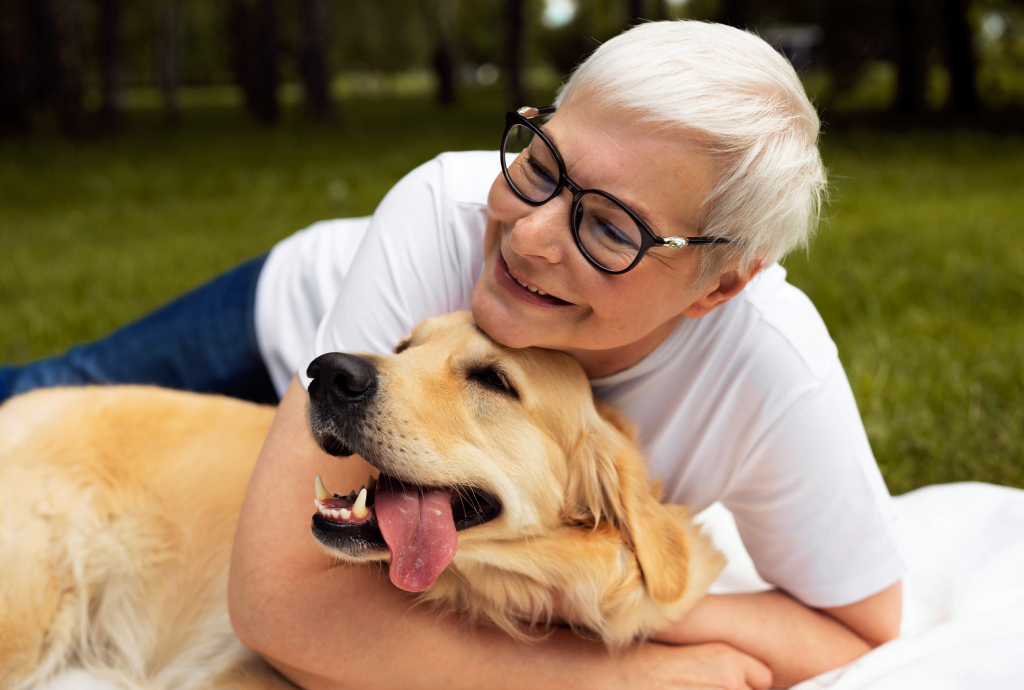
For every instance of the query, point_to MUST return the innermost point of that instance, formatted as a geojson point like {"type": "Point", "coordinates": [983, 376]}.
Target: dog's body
{"type": "Point", "coordinates": [118, 506]}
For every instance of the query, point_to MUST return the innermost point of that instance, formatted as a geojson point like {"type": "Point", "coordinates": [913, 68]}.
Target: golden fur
{"type": "Point", "coordinates": [118, 506]}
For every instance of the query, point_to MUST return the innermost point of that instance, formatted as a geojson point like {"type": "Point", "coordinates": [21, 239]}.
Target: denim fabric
{"type": "Point", "coordinates": [204, 341]}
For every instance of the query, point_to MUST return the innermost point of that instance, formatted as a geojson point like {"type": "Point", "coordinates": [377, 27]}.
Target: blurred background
{"type": "Point", "coordinates": [146, 145]}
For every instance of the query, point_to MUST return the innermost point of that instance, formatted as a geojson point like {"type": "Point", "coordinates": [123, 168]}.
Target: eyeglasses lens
{"type": "Point", "coordinates": [606, 232]}
{"type": "Point", "coordinates": [534, 172]}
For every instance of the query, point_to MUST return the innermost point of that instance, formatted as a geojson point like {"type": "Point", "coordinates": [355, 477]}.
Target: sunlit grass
{"type": "Point", "coordinates": [919, 273]}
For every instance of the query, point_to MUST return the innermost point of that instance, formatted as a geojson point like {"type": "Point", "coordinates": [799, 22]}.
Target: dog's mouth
{"type": "Point", "coordinates": [417, 524]}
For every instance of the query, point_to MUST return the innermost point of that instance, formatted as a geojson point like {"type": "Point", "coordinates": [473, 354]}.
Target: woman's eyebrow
{"type": "Point", "coordinates": [641, 214]}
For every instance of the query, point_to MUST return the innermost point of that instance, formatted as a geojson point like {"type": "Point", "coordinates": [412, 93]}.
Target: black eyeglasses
{"type": "Point", "coordinates": [610, 234]}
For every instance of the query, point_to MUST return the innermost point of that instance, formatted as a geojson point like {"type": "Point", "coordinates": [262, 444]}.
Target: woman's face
{"type": "Point", "coordinates": [608, 322]}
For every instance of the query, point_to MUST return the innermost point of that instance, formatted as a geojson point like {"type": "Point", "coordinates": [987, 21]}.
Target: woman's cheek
{"type": "Point", "coordinates": [502, 204]}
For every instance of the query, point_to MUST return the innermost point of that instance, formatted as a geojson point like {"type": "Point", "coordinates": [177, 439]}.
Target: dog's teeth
{"type": "Point", "coordinates": [359, 507]}
{"type": "Point", "coordinates": [321, 490]}
{"type": "Point", "coordinates": [343, 514]}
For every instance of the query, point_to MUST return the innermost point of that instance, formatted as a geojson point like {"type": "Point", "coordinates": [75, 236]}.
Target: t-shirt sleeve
{"type": "Point", "coordinates": [409, 267]}
{"type": "Point", "coordinates": [811, 505]}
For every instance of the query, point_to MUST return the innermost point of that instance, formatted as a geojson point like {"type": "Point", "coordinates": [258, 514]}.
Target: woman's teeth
{"type": "Point", "coordinates": [530, 287]}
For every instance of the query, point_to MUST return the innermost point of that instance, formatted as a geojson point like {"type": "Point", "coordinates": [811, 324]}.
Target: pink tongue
{"type": "Point", "coordinates": [418, 528]}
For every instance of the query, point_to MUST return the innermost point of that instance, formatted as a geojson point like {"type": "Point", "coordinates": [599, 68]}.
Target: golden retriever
{"type": "Point", "coordinates": [505, 495]}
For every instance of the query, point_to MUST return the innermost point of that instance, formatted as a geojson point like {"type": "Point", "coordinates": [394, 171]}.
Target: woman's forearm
{"type": "Point", "coordinates": [795, 642]}
{"type": "Point", "coordinates": [328, 625]}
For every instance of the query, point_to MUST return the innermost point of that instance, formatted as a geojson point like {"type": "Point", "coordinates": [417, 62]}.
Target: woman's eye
{"type": "Point", "coordinates": [539, 174]}
{"type": "Point", "coordinates": [612, 235]}
{"type": "Point", "coordinates": [401, 347]}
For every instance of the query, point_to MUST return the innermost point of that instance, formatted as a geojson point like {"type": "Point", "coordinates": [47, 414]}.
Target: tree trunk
{"type": "Point", "coordinates": [911, 59]}
{"type": "Point", "coordinates": [312, 60]}
{"type": "Point", "coordinates": [109, 48]}
{"type": "Point", "coordinates": [962, 63]}
{"type": "Point", "coordinates": [253, 31]}
{"type": "Point", "coordinates": [59, 30]}
{"type": "Point", "coordinates": [168, 19]}
{"type": "Point", "coordinates": [444, 71]}
{"type": "Point", "coordinates": [635, 10]}
{"type": "Point", "coordinates": [14, 105]}
{"type": "Point", "coordinates": [734, 13]}
{"type": "Point", "coordinates": [514, 52]}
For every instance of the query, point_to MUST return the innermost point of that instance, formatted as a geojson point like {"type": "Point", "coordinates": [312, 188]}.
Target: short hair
{"type": "Point", "coordinates": [744, 100]}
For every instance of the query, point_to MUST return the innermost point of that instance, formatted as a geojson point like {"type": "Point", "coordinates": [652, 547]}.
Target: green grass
{"type": "Point", "coordinates": [919, 272]}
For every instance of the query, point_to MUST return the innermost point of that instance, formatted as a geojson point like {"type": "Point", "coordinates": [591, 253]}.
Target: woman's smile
{"type": "Point", "coordinates": [522, 290]}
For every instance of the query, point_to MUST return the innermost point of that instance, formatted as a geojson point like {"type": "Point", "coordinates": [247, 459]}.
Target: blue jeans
{"type": "Point", "coordinates": [204, 341]}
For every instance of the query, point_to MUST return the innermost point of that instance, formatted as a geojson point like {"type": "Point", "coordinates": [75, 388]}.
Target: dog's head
{"type": "Point", "coordinates": [480, 447]}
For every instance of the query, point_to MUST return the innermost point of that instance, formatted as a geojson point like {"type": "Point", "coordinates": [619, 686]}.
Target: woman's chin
{"type": "Point", "coordinates": [502, 325]}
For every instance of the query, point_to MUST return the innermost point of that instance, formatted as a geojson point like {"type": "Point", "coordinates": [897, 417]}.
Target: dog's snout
{"type": "Point", "coordinates": [341, 378]}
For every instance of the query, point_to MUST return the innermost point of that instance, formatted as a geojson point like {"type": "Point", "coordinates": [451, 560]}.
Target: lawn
{"type": "Point", "coordinates": [919, 271]}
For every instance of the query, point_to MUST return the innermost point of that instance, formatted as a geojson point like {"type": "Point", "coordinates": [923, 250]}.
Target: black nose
{"type": "Point", "coordinates": [339, 378]}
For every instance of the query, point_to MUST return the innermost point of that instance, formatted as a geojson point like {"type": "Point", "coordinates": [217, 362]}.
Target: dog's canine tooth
{"type": "Point", "coordinates": [359, 507]}
{"type": "Point", "coordinates": [321, 490]}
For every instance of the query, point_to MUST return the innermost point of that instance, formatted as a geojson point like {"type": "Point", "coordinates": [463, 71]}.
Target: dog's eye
{"type": "Point", "coordinates": [495, 380]}
{"type": "Point", "coordinates": [401, 347]}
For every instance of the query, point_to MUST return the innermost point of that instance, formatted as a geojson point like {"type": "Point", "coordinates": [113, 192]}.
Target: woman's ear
{"type": "Point", "coordinates": [722, 289]}
{"type": "Point", "coordinates": [608, 481]}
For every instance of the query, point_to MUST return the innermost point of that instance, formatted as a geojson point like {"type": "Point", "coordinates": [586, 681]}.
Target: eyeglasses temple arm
{"type": "Point", "coordinates": [680, 242]}
{"type": "Point", "coordinates": [528, 111]}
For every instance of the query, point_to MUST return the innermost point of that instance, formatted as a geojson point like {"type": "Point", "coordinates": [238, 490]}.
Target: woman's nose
{"type": "Point", "coordinates": [544, 231]}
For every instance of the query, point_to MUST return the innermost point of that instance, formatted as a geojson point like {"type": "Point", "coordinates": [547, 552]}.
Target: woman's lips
{"type": "Point", "coordinates": [508, 281]}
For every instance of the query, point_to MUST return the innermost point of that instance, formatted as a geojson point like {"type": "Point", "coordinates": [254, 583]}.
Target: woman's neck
{"type": "Point", "coordinates": [599, 363]}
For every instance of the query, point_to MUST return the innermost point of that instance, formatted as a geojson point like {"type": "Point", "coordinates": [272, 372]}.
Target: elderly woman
{"type": "Point", "coordinates": [635, 225]}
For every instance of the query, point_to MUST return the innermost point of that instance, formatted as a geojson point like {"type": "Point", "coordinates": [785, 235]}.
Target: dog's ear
{"type": "Point", "coordinates": [608, 481]}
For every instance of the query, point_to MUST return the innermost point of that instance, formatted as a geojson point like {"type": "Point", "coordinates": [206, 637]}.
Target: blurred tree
{"type": "Point", "coordinates": [109, 48]}
{"type": "Point", "coordinates": [635, 11]}
{"type": "Point", "coordinates": [514, 36]}
{"type": "Point", "coordinates": [439, 17]}
{"type": "Point", "coordinates": [962, 63]}
{"type": "Point", "coordinates": [912, 48]}
{"type": "Point", "coordinates": [56, 30]}
{"type": "Point", "coordinates": [252, 26]}
{"type": "Point", "coordinates": [14, 106]}
{"type": "Point", "coordinates": [168, 22]}
{"type": "Point", "coordinates": [313, 60]}
{"type": "Point", "coordinates": [735, 13]}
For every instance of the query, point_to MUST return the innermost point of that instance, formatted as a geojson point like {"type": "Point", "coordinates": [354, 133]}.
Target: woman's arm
{"type": "Point", "coordinates": [795, 642]}
{"type": "Point", "coordinates": [328, 625]}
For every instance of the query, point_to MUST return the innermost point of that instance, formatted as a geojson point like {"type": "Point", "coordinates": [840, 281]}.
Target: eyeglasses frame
{"type": "Point", "coordinates": [648, 239]}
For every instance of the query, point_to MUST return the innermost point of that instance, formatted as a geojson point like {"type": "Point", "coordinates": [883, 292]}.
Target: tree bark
{"type": "Point", "coordinates": [514, 52]}
{"type": "Point", "coordinates": [911, 59]}
{"type": "Point", "coordinates": [109, 49]}
{"type": "Point", "coordinates": [962, 62]}
{"type": "Point", "coordinates": [168, 18]}
{"type": "Point", "coordinates": [312, 59]}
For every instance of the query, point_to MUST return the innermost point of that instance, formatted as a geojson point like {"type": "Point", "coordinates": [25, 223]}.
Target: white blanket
{"type": "Point", "coordinates": [963, 596]}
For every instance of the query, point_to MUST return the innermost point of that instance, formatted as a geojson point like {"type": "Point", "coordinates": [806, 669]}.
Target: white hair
{"type": "Point", "coordinates": [734, 92]}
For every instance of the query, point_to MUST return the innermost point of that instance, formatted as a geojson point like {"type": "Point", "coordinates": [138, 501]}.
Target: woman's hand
{"type": "Point", "coordinates": [795, 642]}
{"type": "Point", "coordinates": [710, 665]}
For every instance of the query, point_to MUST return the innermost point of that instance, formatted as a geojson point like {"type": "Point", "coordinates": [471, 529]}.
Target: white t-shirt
{"type": "Point", "coordinates": [748, 405]}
